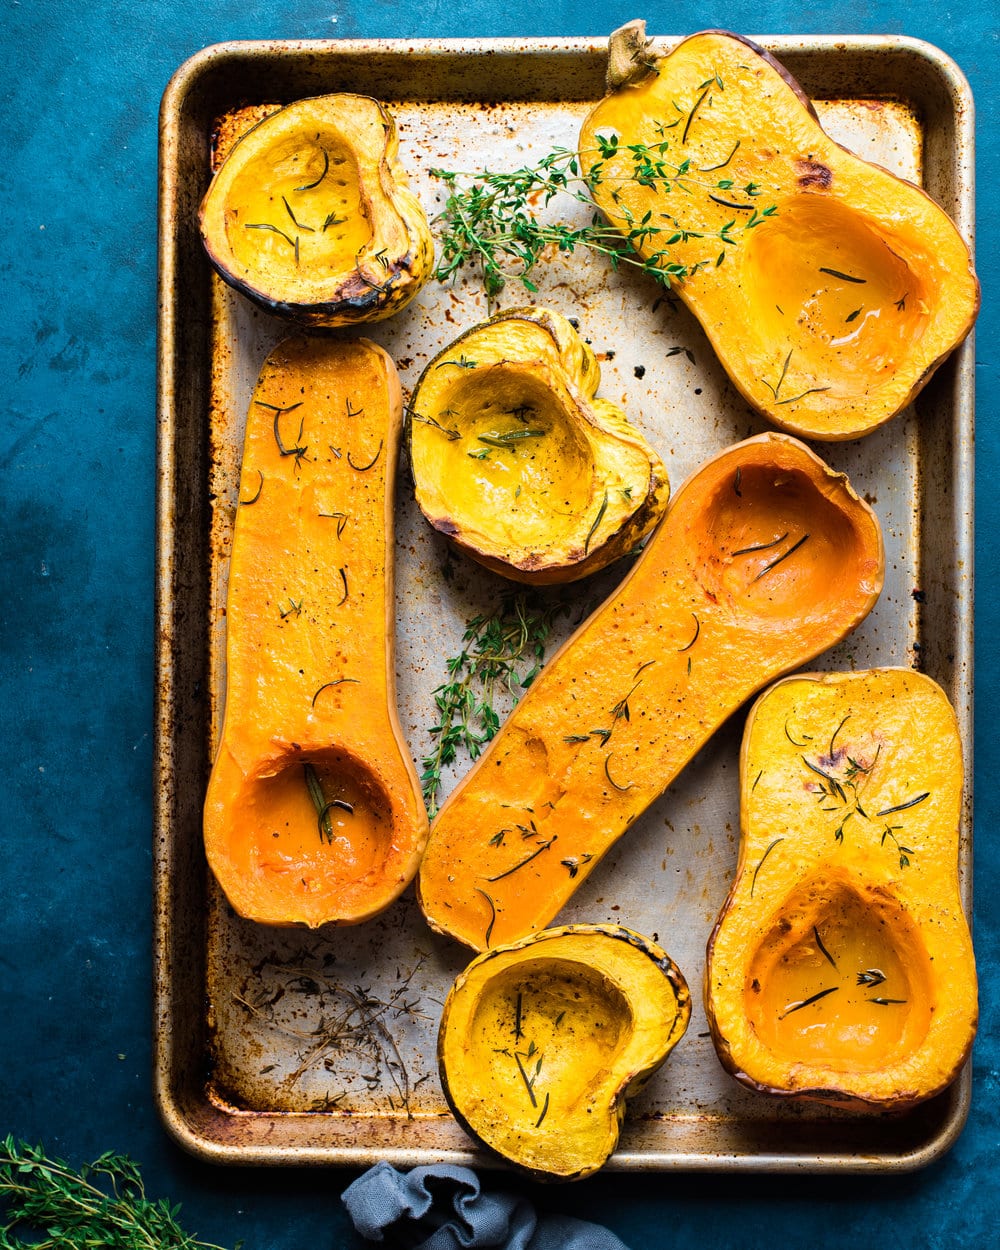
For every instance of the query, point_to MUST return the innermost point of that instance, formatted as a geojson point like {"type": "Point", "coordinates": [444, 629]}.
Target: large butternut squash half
{"type": "Point", "coordinates": [841, 967]}
{"type": "Point", "coordinates": [765, 558]}
{"type": "Point", "coordinates": [314, 812]}
{"type": "Point", "coordinates": [518, 462]}
{"type": "Point", "coordinates": [311, 215]}
{"type": "Point", "coordinates": [542, 1041]}
{"type": "Point", "coordinates": [835, 290]}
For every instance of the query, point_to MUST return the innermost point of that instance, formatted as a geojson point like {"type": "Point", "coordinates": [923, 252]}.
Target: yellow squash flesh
{"type": "Point", "coordinates": [516, 460]}
{"type": "Point", "coordinates": [841, 967]}
{"type": "Point", "coordinates": [314, 813]}
{"type": "Point", "coordinates": [829, 315]}
{"type": "Point", "coordinates": [765, 558]}
{"type": "Point", "coordinates": [310, 215]}
{"type": "Point", "coordinates": [542, 1041]}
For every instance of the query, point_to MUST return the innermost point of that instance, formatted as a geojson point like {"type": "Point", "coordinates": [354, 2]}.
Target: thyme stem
{"type": "Point", "coordinates": [489, 218]}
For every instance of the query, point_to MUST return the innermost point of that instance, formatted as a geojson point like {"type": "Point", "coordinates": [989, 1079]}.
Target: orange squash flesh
{"type": "Point", "coordinates": [841, 966]}
{"type": "Point", "coordinates": [765, 558]}
{"type": "Point", "coordinates": [831, 313]}
{"type": "Point", "coordinates": [310, 720]}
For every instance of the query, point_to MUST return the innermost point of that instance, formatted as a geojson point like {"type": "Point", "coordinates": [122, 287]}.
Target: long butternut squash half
{"type": "Point", "coordinates": [766, 558]}
{"type": "Point", "coordinates": [314, 813]}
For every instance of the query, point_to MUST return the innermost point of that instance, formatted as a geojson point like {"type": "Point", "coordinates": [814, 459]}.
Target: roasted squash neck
{"type": "Point", "coordinates": [314, 813]}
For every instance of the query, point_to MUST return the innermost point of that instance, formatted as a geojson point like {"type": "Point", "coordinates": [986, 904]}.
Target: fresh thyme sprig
{"type": "Point", "coordinates": [101, 1204]}
{"type": "Point", "coordinates": [503, 651]}
{"type": "Point", "coordinates": [489, 218]}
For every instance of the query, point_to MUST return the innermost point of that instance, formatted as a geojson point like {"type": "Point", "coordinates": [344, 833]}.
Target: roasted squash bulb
{"type": "Point", "coordinates": [830, 289]}
{"type": "Point", "coordinates": [517, 461]}
{"type": "Point", "coordinates": [542, 1041]}
{"type": "Point", "coordinates": [310, 215]}
{"type": "Point", "coordinates": [841, 967]}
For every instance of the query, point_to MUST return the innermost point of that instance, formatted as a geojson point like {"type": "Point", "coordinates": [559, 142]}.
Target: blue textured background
{"type": "Point", "coordinates": [77, 345]}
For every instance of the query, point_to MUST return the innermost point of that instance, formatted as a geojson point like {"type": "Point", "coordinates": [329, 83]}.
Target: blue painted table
{"type": "Point", "coordinates": [82, 91]}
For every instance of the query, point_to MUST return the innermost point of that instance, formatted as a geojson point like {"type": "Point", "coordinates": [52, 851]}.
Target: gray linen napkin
{"type": "Point", "coordinates": [442, 1207]}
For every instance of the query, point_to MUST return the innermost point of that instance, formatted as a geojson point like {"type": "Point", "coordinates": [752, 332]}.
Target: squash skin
{"type": "Point", "coordinates": [603, 1006]}
{"type": "Point", "coordinates": [533, 517]}
{"type": "Point", "coordinates": [816, 353]}
{"type": "Point", "coordinates": [726, 596]}
{"type": "Point", "coordinates": [309, 650]}
{"type": "Point", "coordinates": [873, 918]}
{"type": "Point", "coordinates": [367, 264]}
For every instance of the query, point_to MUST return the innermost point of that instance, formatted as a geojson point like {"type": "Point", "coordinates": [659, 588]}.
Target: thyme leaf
{"type": "Point", "coordinates": [575, 862]}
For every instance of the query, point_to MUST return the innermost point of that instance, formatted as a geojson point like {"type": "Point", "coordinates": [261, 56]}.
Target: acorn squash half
{"type": "Point", "coordinates": [841, 966]}
{"type": "Point", "coordinates": [830, 312]}
{"type": "Point", "coordinates": [542, 1041]}
{"type": "Point", "coordinates": [314, 813]}
{"type": "Point", "coordinates": [310, 215]}
{"type": "Point", "coordinates": [516, 460]}
{"type": "Point", "coordinates": [766, 557]}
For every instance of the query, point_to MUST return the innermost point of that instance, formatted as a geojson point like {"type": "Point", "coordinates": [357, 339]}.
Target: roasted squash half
{"type": "Point", "coordinates": [542, 1041]}
{"type": "Point", "coordinates": [841, 967]}
{"type": "Point", "coordinates": [310, 214]}
{"type": "Point", "coordinates": [765, 558]}
{"type": "Point", "coordinates": [518, 462]}
{"type": "Point", "coordinates": [836, 289]}
{"type": "Point", "coordinates": [314, 812]}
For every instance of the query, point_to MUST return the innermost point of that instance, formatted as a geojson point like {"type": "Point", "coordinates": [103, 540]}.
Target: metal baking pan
{"type": "Point", "coordinates": [288, 1047]}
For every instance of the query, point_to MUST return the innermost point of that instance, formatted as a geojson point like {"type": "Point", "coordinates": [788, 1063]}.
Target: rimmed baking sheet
{"type": "Point", "coordinates": [248, 1069]}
